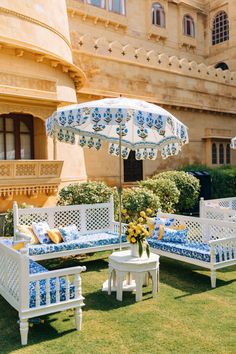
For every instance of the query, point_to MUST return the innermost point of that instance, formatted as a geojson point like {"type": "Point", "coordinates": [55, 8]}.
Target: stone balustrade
{"type": "Point", "coordinates": [29, 177]}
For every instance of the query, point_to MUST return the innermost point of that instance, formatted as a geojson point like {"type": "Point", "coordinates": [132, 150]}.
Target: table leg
{"type": "Point", "coordinates": [154, 282]}
{"type": "Point", "coordinates": [146, 279]}
{"type": "Point", "coordinates": [139, 283]}
{"type": "Point", "coordinates": [129, 278]}
{"type": "Point", "coordinates": [119, 290]}
{"type": "Point", "coordinates": [110, 273]}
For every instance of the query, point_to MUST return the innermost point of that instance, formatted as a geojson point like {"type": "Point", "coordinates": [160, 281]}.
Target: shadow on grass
{"type": "Point", "coordinates": [91, 262]}
{"type": "Point", "coordinates": [190, 278]}
{"type": "Point", "coordinates": [10, 334]}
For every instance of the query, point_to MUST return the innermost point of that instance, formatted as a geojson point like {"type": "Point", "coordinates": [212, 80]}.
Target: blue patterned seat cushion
{"type": "Point", "coordinates": [35, 268]}
{"type": "Point", "coordinates": [200, 251]}
{"type": "Point", "coordinates": [83, 241]}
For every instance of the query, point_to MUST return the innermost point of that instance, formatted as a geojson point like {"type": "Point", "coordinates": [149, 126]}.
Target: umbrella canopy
{"type": "Point", "coordinates": [143, 127]}
{"type": "Point", "coordinates": [127, 124]}
{"type": "Point", "coordinates": [233, 143]}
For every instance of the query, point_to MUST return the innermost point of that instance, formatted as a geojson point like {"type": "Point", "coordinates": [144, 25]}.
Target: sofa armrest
{"type": "Point", "coordinates": [116, 227]}
{"type": "Point", "coordinates": [58, 279]}
{"type": "Point", "coordinates": [224, 248]}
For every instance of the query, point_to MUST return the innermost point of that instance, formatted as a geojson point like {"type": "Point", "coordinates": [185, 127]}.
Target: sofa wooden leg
{"type": "Point", "coordinates": [78, 319]}
{"type": "Point", "coordinates": [213, 278]}
{"type": "Point", "coordinates": [24, 329]}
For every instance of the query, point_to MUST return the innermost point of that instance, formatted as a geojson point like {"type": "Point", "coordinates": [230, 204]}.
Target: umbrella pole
{"type": "Point", "coordinates": [120, 185]}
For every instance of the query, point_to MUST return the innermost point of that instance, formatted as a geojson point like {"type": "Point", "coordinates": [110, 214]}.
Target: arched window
{"type": "Point", "coordinates": [222, 66]}
{"type": "Point", "coordinates": [214, 154]}
{"type": "Point", "coordinates": [117, 6]}
{"type": "Point", "coordinates": [188, 26]}
{"type": "Point", "coordinates": [158, 15]}
{"type": "Point", "coordinates": [220, 28]}
{"type": "Point", "coordinates": [16, 137]}
{"type": "Point", "coordinates": [221, 154]}
{"type": "Point", "coordinates": [228, 157]}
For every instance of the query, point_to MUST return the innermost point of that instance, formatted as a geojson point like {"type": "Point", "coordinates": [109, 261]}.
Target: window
{"type": "Point", "coordinates": [117, 6]}
{"type": "Point", "coordinates": [222, 160]}
{"type": "Point", "coordinates": [228, 157]}
{"type": "Point", "coordinates": [214, 154]}
{"type": "Point", "coordinates": [188, 26]}
{"type": "Point", "coordinates": [158, 15]}
{"type": "Point", "coordinates": [16, 137]}
{"type": "Point", "coordinates": [220, 28]}
{"type": "Point", "coordinates": [222, 66]}
{"type": "Point", "coordinates": [98, 3]}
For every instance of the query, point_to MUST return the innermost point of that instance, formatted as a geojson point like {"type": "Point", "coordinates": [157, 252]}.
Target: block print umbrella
{"type": "Point", "coordinates": [233, 143]}
{"type": "Point", "coordinates": [127, 124]}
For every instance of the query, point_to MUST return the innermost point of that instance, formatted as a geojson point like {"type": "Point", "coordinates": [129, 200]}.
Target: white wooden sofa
{"type": "Point", "coordinates": [210, 243]}
{"type": "Point", "coordinates": [34, 291]}
{"type": "Point", "coordinates": [95, 222]}
{"type": "Point", "coordinates": [218, 209]}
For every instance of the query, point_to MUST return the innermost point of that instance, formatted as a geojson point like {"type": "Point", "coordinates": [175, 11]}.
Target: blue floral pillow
{"type": "Point", "coordinates": [172, 235]}
{"type": "Point", "coordinates": [40, 229]}
{"type": "Point", "coordinates": [69, 233]}
{"type": "Point", "coordinates": [161, 221]}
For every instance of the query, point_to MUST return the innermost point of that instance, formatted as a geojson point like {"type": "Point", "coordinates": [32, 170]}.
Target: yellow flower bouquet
{"type": "Point", "coordinates": [137, 233]}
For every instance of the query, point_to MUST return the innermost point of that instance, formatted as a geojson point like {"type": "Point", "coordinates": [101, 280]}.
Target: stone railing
{"type": "Point", "coordinates": [29, 177]}
{"type": "Point", "coordinates": [127, 53]}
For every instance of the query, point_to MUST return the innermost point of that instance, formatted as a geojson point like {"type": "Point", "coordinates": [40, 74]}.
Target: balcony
{"type": "Point", "coordinates": [29, 178]}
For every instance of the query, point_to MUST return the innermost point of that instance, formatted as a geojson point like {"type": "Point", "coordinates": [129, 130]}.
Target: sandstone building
{"type": "Point", "coordinates": [178, 54]}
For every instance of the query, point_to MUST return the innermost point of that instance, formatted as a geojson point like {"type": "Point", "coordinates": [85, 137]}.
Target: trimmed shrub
{"type": "Point", "coordinates": [135, 200]}
{"type": "Point", "coordinates": [223, 179]}
{"type": "Point", "coordinates": [85, 193]}
{"type": "Point", "coordinates": [187, 185]}
{"type": "Point", "coordinates": [166, 190]}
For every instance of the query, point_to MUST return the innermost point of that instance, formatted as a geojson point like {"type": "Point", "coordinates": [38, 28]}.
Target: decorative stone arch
{"type": "Point", "coordinates": [222, 65]}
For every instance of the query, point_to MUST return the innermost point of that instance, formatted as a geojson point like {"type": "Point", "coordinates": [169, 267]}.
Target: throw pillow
{"type": "Point", "coordinates": [150, 224]}
{"type": "Point", "coordinates": [55, 236]}
{"type": "Point", "coordinates": [161, 221]}
{"type": "Point", "coordinates": [40, 230]}
{"type": "Point", "coordinates": [69, 233]}
{"type": "Point", "coordinates": [177, 236]}
{"type": "Point", "coordinates": [28, 230]}
{"type": "Point", "coordinates": [179, 227]}
{"type": "Point", "coordinates": [17, 245]}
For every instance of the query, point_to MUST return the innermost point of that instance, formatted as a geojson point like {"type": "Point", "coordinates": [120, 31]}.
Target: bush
{"type": "Point", "coordinates": [166, 190]}
{"type": "Point", "coordinates": [8, 224]}
{"type": "Point", "coordinates": [85, 193]}
{"type": "Point", "coordinates": [135, 200]}
{"type": "Point", "coordinates": [223, 179]}
{"type": "Point", "coordinates": [187, 185]}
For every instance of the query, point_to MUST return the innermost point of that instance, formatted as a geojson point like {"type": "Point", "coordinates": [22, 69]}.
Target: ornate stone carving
{"type": "Point", "coordinates": [25, 170]}
{"type": "Point", "coordinates": [14, 80]}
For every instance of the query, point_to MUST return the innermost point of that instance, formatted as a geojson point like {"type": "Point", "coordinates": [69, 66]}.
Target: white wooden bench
{"type": "Point", "coordinates": [34, 291]}
{"type": "Point", "coordinates": [95, 223]}
{"type": "Point", "coordinates": [218, 209]}
{"type": "Point", "coordinates": [210, 243]}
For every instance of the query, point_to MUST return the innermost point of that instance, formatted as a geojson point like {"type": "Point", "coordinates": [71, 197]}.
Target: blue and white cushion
{"type": "Point", "coordinates": [161, 221]}
{"type": "Point", "coordinates": [199, 251]}
{"type": "Point", "coordinates": [40, 229]}
{"type": "Point", "coordinates": [69, 233]}
{"type": "Point", "coordinates": [35, 268]}
{"type": "Point", "coordinates": [84, 241]}
{"type": "Point", "coordinates": [171, 235]}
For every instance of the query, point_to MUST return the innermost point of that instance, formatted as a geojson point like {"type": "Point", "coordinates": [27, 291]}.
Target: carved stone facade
{"type": "Point", "coordinates": [81, 52]}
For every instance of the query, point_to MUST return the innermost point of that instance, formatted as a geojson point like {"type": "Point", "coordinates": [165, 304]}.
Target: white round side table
{"type": "Point", "coordinates": [137, 272]}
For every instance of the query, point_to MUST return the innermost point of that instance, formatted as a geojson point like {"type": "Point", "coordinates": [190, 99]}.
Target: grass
{"type": "Point", "coordinates": [186, 317]}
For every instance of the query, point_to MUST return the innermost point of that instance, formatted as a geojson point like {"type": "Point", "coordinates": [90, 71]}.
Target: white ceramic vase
{"type": "Point", "coordinates": [134, 250]}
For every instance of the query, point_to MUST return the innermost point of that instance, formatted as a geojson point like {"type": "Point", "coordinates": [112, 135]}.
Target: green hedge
{"type": "Point", "coordinates": [223, 179]}
{"type": "Point", "coordinates": [85, 193]}
{"type": "Point", "coordinates": [166, 190]}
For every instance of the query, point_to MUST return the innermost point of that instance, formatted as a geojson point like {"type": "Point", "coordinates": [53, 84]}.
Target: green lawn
{"type": "Point", "coordinates": [186, 317]}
